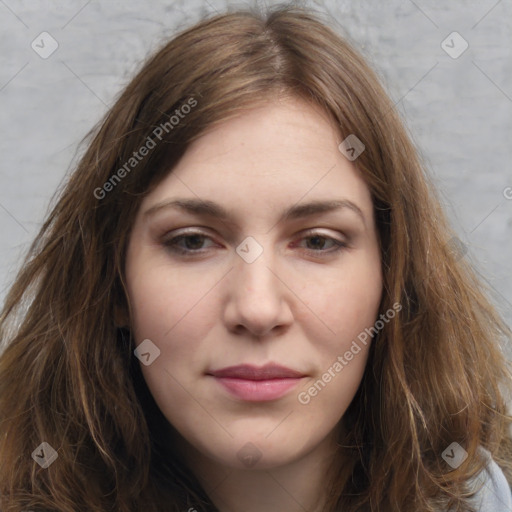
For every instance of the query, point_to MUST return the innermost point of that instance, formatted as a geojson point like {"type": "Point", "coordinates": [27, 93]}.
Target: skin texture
{"type": "Point", "coordinates": [292, 306]}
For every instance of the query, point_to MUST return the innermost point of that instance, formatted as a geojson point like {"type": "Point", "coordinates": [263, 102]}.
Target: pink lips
{"type": "Point", "coordinates": [254, 384]}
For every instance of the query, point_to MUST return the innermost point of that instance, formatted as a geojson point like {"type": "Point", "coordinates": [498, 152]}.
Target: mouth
{"type": "Point", "coordinates": [257, 384]}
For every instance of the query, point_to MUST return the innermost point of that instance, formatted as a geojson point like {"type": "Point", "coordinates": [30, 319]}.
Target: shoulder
{"type": "Point", "coordinates": [493, 491]}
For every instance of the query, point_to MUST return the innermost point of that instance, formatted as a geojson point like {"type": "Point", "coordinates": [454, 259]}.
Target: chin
{"type": "Point", "coordinates": [254, 452]}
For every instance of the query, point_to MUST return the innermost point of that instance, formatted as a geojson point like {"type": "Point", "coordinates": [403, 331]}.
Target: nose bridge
{"type": "Point", "coordinates": [256, 295]}
{"type": "Point", "coordinates": [252, 270]}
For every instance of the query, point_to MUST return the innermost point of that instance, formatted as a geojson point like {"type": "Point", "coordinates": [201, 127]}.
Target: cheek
{"type": "Point", "coordinates": [345, 303]}
{"type": "Point", "coordinates": [176, 313]}
{"type": "Point", "coordinates": [162, 300]}
{"type": "Point", "coordinates": [349, 309]}
{"type": "Point", "coordinates": [176, 310]}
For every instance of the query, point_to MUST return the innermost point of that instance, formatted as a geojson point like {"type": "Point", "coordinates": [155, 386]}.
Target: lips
{"type": "Point", "coordinates": [249, 372]}
{"type": "Point", "coordinates": [257, 384]}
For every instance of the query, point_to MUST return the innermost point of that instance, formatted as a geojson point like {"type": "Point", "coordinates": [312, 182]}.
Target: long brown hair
{"type": "Point", "coordinates": [68, 376]}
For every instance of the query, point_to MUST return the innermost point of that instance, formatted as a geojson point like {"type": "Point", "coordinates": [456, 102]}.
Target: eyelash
{"type": "Point", "coordinates": [171, 244]}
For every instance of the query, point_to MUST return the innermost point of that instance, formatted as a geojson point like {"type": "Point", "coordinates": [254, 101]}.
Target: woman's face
{"type": "Point", "coordinates": [256, 287]}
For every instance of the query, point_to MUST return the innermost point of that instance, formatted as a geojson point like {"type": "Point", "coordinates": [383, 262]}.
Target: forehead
{"type": "Point", "coordinates": [269, 156]}
{"type": "Point", "coordinates": [284, 130]}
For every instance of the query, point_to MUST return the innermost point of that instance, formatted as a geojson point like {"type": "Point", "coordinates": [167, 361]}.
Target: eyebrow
{"type": "Point", "coordinates": [207, 208]}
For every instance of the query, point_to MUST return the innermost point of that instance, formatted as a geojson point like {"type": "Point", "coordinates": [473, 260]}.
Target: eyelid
{"type": "Point", "coordinates": [186, 232]}
{"type": "Point", "coordinates": [317, 232]}
{"type": "Point", "coordinates": [199, 231]}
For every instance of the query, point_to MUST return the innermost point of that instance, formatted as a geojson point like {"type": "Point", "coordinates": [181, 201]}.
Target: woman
{"type": "Point", "coordinates": [248, 298]}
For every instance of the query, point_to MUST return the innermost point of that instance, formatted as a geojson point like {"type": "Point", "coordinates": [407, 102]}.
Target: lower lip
{"type": "Point", "coordinates": [258, 390]}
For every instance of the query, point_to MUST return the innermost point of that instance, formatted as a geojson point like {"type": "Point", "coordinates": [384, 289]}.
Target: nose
{"type": "Point", "coordinates": [258, 300]}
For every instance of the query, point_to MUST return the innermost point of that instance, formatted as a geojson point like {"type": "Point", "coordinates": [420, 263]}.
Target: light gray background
{"type": "Point", "coordinates": [459, 111]}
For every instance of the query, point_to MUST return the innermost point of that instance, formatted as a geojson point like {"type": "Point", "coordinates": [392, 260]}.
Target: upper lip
{"type": "Point", "coordinates": [250, 372]}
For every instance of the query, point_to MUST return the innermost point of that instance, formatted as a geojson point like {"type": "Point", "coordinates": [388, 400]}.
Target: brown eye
{"type": "Point", "coordinates": [187, 243]}
{"type": "Point", "coordinates": [318, 242]}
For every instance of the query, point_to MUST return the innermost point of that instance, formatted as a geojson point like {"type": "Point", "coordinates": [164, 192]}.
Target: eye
{"type": "Point", "coordinates": [193, 241]}
{"type": "Point", "coordinates": [319, 242]}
